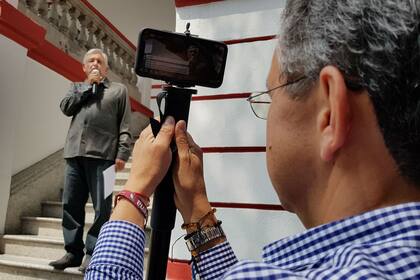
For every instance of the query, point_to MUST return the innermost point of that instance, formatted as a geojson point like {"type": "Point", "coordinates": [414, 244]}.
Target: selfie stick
{"type": "Point", "coordinates": [177, 105]}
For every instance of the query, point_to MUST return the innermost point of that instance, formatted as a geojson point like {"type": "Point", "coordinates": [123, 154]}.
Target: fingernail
{"type": "Point", "coordinates": [169, 121]}
{"type": "Point", "coordinates": [184, 126]}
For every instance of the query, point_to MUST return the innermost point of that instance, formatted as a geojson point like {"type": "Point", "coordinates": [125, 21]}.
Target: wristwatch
{"type": "Point", "coordinates": [203, 236]}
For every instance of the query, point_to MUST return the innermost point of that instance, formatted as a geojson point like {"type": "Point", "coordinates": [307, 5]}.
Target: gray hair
{"type": "Point", "coordinates": [94, 51]}
{"type": "Point", "coordinates": [375, 44]}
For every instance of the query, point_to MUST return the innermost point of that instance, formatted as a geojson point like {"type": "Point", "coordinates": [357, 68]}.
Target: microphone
{"type": "Point", "coordinates": [95, 84]}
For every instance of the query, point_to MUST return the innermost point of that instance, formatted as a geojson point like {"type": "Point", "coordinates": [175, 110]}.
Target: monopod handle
{"type": "Point", "coordinates": [177, 105]}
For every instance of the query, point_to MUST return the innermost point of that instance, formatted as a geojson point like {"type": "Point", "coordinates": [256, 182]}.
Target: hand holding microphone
{"type": "Point", "coordinates": [94, 79]}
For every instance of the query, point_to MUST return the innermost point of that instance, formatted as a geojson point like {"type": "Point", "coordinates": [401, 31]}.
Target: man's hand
{"type": "Point", "coordinates": [119, 164]}
{"type": "Point", "coordinates": [151, 159]}
{"type": "Point", "coordinates": [190, 191]}
{"type": "Point", "coordinates": [94, 76]}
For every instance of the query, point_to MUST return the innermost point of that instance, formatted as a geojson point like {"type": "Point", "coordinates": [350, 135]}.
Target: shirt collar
{"type": "Point", "coordinates": [307, 248]}
{"type": "Point", "coordinates": [105, 81]}
{"type": "Point", "coordinates": [86, 86]}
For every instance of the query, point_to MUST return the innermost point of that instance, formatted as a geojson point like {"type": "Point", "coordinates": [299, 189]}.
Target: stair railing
{"type": "Point", "coordinates": [75, 26]}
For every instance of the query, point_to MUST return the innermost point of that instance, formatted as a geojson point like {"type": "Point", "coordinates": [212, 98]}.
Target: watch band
{"type": "Point", "coordinates": [203, 236]}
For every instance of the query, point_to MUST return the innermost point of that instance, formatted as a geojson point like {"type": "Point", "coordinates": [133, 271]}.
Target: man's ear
{"type": "Point", "coordinates": [335, 120]}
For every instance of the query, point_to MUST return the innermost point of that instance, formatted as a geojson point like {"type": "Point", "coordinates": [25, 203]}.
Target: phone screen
{"type": "Point", "coordinates": [180, 59]}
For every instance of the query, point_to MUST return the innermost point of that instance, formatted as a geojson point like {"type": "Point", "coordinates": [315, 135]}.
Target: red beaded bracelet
{"type": "Point", "coordinates": [139, 201]}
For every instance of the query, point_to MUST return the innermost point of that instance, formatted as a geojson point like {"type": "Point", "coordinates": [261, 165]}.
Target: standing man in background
{"type": "Point", "coordinates": [98, 137]}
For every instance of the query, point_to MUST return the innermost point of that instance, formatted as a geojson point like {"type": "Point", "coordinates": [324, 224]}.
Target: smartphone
{"type": "Point", "coordinates": [180, 59]}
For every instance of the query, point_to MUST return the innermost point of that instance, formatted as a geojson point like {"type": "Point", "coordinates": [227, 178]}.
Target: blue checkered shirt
{"type": "Point", "coordinates": [381, 244]}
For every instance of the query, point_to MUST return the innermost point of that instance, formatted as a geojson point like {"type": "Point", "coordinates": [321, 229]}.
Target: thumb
{"type": "Point", "coordinates": [181, 138]}
{"type": "Point", "coordinates": [166, 132]}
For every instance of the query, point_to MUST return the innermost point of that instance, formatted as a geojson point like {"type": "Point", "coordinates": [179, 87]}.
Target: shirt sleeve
{"type": "Point", "coordinates": [119, 252]}
{"type": "Point", "coordinates": [214, 263]}
{"type": "Point", "coordinates": [124, 136]}
{"type": "Point", "coordinates": [74, 99]}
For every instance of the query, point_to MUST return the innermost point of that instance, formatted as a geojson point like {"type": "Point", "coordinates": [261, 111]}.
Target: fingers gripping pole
{"type": "Point", "coordinates": [177, 104]}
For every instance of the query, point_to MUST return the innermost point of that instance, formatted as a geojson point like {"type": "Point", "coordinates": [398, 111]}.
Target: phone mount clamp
{"type": "Point", "coordinates": [187, 31]}
{"type": "Point", "coordinates": [176, 104]}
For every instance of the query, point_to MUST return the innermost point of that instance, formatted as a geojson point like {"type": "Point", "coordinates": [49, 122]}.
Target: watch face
{"type": "Point", "coordinates": [202, 237]}
{"type": "Point", "coordinates": [197, 239]}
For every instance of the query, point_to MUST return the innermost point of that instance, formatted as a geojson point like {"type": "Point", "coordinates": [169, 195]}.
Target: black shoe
{"type": "Point", "coordinates": [85, 264]}
{"type": "Point", "coordinates": [68, 260]}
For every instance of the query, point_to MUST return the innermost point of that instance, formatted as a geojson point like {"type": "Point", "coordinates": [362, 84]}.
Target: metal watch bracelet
{"type": "Point", "coordinates": [203, 236]}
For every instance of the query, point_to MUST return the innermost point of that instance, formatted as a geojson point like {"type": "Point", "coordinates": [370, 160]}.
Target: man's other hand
{"type": "Point", "coordinates": [190, 191]}
{"type": "Point", "coordinates": [119, 164]}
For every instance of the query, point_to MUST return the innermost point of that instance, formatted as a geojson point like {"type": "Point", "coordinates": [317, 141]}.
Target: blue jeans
{"type": "Point", "coordinates": [83, 176]}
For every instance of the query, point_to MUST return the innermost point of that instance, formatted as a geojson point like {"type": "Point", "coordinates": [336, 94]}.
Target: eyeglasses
{"type": "Point", "coordinates": [260, 101]}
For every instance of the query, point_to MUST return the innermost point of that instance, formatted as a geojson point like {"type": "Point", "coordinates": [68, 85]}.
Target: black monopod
{"type": "Point", "coordinates": [183, 60]}
{"type": "Point", "coordinates": [176, 104]}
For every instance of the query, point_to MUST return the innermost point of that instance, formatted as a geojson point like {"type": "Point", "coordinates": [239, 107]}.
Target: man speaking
{"type": "Point", "coordinates": [98, 137]}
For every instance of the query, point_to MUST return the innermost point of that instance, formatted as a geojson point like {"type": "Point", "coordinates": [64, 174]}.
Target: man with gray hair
{"type": "Point", "coordinates": [98, 137]}
{"type": "Point", "coordinates": [343, 137]}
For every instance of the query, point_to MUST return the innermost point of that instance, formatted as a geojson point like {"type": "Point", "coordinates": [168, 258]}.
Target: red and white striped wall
{"type": "Point", "coordinates": [221, 122]}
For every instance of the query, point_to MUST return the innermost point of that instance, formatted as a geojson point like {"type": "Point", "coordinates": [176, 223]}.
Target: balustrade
{"type": "Point", "coordinates": [75, 29]}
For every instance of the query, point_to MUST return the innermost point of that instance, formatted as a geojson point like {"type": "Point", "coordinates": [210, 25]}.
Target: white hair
{"type": "Point", "coordinates": [94, 51]}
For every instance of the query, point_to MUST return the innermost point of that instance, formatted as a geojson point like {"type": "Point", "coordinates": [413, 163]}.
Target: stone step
{"type": "Point", "coordinates": [121, 178]}
{"type": "Point", "coordinates": [28, 268]}
{"type": "Point", "coordinates": [45, 226]}
{"type": "Point", "coordinates": [39, 246]}
{"type": "Point", "coordinates": [127, 167]}
{"type": "Point", "coordinates": [54, 209]}
{"type": "Point", "coordinates": [35, 246]}
{"type": "Point", "coordinates": [117, 188]}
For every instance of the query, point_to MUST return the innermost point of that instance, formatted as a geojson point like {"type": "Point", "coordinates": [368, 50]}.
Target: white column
{"type": "Point", "coordinates": [14, 56]}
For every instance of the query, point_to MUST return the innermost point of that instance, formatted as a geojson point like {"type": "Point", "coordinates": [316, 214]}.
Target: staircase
{"type": "Point", "coordinates": [26, 255]}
